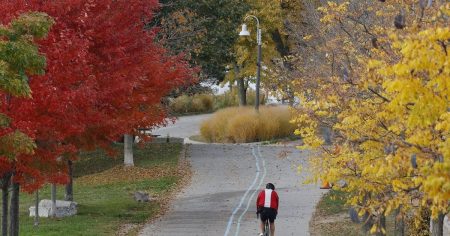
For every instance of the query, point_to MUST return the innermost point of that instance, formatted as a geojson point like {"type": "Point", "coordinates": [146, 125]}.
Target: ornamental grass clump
{"type": "Point", "coordinates": [243, 127]}
{"type": "Point", "coordinates": [216, 128]}
{"type": "Point", "coordinates": [244, 124]}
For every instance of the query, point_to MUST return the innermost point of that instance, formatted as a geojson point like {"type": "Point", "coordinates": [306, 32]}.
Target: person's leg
{"type": "Point", "coordinates": [272, 228]}
{"type": "Point", "coordinates": [261, 226]}
{"type": "Point", "coordinates": [263, 219]}
{"type": "Point", "coordinates": [273, 216]}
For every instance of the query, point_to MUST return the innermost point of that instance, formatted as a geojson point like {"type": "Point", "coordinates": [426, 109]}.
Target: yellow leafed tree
{"type": "Point", "coordinates": [389, 110]}
{"type": "Point", "coordinates": [272, 15]}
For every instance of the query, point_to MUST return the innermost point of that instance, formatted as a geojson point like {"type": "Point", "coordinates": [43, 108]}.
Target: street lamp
{"type": "Point", "coordinates": [245, 32]}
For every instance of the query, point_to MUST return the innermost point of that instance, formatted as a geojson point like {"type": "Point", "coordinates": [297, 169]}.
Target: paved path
{"type": "Point", "coordinates": [184, 127]}
{"type": "Point", "coordinates": [221, 197]}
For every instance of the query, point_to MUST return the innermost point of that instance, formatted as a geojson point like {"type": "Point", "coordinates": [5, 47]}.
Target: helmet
{"type": "Point", "coordinates": [270, 186]}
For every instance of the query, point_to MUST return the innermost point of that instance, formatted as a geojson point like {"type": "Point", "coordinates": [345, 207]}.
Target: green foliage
{"type": "Point", "coordinates": [19, 56]}
{"type": "Point", "coordinates": [36, 24]}
{"type": "Point", "coordinates": [4, 120]}
{"type": "Point", "coordinates": [205, 30]}
{"type": "Point", "coordinates": [15, 143]}
{"type": "Point", "coordinates": [244, 124]}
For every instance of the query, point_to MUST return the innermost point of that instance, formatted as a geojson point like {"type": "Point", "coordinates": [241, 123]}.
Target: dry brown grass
{"type": "Point", "coordinates": [242, 127]}
{"type": "Point", "coordinates": [244, 124]}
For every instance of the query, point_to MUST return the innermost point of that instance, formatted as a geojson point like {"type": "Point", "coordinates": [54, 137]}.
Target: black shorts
{"type": "Point", "coordinates": [268, 214]}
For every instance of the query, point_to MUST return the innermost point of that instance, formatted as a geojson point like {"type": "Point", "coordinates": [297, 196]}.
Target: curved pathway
{"type": "Point", "coordinates": [184, 127]}
{"type": "Point", "coordinates": [226, 178]}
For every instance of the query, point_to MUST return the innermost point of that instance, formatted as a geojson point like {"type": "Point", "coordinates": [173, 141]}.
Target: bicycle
{"type": "Point", "coordinates": [266, 228]}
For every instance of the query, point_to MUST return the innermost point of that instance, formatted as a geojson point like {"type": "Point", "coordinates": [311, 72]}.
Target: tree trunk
{"type": "Point", "coordinates": [423, 226]}
{"type": "Point", "coordinates": [437, 225]}
{"type": "Point", "coordinates": [354, 217]}
{"type": "Point", "coordinates": [399, 228]}
{"type": "Point", "coordinates": [53, 210]}
{"type": "Point", "coordinates": [69, 186]}
{"type": "Point", "coordinates": [326, 134]}
{"type": "Point", "coordinates": [382, 225]}
{"type": "Point", "coordinates": [5, 199]}
{"type": "Point", "coordinates": [14, 214]}
{"type": "Point", "coordinates": [367, 222]}
{"type": "Point", "coordinates": [242, 91]}
{"type": "Point", "coordinates": [128, 150]}
{"type": "Point", "coordinates": [399, 224]}
{"type": "Point", "coordinates": [291, 96]}
{"type": "Point", "coordinates": [36, 209]}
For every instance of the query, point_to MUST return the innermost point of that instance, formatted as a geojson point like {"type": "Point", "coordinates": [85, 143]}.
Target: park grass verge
{"type": "Point", "coordinates": [331, 217]}
{"type": "Point", "coordinates": [105, 197]}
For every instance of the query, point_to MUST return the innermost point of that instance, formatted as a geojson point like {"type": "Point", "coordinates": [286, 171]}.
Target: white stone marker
{"type": "Point", "coordinates": [63, 208]}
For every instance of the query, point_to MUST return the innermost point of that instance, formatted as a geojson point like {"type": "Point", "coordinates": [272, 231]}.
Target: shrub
{"type": "Point", "coordinates": [251, 98]}
{"type": "Point", "coordinates": [215, 129]}
{"type": "Point", "coordinates": [204, 102]}
{"type": "Point", "coordinates": [180, 104]}
{"type": "Point", "coordinates": [225, 100]}
{"type": "Point", "coordinates": [275, 123]}
{"type": "Point", "coordinates": [243, 127]}
{"type": "Point", "coordinates": [244, 124]}
{"type": "Point", "coordinates": [231, 99]}
{"type": "Point", "coordinates": [192, 104]}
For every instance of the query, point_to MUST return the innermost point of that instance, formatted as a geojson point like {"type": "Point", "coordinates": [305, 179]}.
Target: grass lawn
{"type": "Point", "coordinates": [104, 191]}
{"type": "Point", "coordinates": [332, 218]}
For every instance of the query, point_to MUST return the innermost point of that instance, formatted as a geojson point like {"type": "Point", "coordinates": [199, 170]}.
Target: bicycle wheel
{"type": "Point", "coordinates": [266, 229]}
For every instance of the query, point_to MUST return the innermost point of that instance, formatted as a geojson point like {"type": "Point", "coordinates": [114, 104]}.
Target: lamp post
{"type": "Point", "coordinates": [244, 32]}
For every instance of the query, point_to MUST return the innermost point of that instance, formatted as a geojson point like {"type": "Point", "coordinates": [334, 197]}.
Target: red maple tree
{"type": "Point", "coordinates": [105, 76]}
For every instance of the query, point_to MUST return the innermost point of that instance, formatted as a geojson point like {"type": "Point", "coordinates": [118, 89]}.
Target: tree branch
{"type": "Point", "coordinates": [379, 95]}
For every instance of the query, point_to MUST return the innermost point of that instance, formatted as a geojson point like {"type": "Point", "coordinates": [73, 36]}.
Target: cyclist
{"type": "Point", "coordinates": [267, 207]}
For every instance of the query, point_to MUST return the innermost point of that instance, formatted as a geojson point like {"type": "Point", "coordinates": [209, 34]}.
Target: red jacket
{"type": "Point", "coordinates": [267, 198]}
